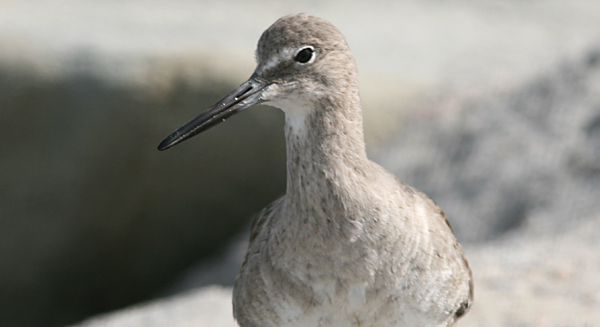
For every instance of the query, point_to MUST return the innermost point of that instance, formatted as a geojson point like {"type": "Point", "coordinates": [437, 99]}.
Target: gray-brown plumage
{"type": "Point", "coordinates": [348, 244]}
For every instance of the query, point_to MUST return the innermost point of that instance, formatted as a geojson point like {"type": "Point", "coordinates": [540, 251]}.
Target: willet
{"type": "Point", "coordinates": [348, 244]}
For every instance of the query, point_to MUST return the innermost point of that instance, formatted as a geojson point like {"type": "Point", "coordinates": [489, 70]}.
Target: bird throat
{"type": "Point", "coordinates": [326, 157]}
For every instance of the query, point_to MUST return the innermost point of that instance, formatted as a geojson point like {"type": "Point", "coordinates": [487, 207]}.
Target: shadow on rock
{"type": "Point", "coordinates": [94, 217]}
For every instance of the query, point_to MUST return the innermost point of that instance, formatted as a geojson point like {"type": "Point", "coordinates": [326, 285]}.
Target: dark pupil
{"type": "Point", "coordinates": [304, 55]}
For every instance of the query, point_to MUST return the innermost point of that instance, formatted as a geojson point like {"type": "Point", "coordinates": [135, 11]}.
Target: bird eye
{"type": "Point", "coordinates": [304, 55]}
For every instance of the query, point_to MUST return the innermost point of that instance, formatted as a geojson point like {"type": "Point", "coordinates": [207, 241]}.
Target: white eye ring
{"type": "Point", "coordinates": [305, 55]}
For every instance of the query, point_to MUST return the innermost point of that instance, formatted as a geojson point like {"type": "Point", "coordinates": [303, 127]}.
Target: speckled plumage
{"type": "Point", "coordinates": [349, 244]}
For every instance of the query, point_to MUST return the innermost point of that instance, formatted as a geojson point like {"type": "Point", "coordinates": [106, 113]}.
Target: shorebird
{"type": "Point", "coordinates": [348, 244]}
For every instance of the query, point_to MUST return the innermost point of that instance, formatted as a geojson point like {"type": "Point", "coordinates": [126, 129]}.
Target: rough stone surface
{"type": "Point", "coordinates": [94, 218]}
{"type": "Point", "coordinates": [525, 158]}
{"type": "Point", "coordinates": [210, 307]}
{"type": "Point", "coordinates": [538, 280]}
{"type": "Point", "coordinates": [521, 280]}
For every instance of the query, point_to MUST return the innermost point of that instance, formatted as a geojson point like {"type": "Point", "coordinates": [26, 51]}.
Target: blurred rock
{"type": "Point", "coordinates": [521, 280]}
{"type": "Point", "coordinates": [522, 158]}
{"type": "Point", "coordinates": [538, 280]}
{"type": "Point", "coordinates": [93, 217]}
{"type": "Point", "coordinates": [209, 307]}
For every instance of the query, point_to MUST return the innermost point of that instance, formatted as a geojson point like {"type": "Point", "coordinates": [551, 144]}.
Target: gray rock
{"type": "Point", "coordinates": [521, 280]}
{"type": "Point", "coordinates": [529, 157]}
{"type": "Point", "coordinates": [547, 280]}
{"type": "Point", "coordinates": [210, 307]}
{"type": "Point", "coordinates": [93, 218]}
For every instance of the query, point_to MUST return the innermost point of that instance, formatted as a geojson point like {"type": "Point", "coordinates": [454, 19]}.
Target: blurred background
{"type": "Point", "coordinates": [490, 107]}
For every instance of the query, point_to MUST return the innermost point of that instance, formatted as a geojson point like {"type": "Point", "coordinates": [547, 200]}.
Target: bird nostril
{"type": "Point", "coordinates": [241, 94]}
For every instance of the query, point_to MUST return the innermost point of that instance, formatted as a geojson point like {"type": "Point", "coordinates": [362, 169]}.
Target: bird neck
{"type": "Point", "coordinates": [326, 158]}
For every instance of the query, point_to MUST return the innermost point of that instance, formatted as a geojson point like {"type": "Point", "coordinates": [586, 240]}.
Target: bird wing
{"type": "Point", "coordinates": [441, 222]}
{"type": "Point", "coordinates": [260, 219]}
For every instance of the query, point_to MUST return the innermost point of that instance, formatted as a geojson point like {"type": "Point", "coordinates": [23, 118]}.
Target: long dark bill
{"type": "Point", "coordinates": [243, 97]}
